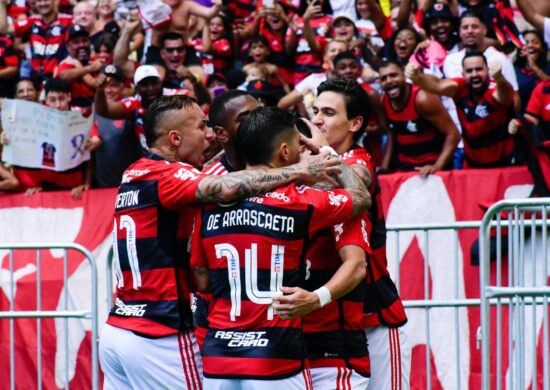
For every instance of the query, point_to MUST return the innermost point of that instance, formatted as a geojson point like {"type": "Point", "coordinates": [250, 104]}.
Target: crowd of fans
{"type": "Point", "coordinates": [452, 84]}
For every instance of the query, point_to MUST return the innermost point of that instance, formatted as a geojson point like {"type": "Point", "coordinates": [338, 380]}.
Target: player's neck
{"type": "Point", "coordinates": [233, 158]}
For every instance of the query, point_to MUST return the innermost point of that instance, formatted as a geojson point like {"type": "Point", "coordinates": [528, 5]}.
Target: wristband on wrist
{"type": "Point", "coordinates": [324, 295]}
{"type": "Point", "coordinates": [329, 149]}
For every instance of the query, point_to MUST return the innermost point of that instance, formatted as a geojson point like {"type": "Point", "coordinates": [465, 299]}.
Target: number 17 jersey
{"type": "Point", "coordinates": [252, 249]}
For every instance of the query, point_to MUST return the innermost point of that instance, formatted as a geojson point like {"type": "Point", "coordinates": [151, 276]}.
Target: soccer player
{"type": "Point", "coordinates": [484, 110]}
{"type": "Point", "coordinates": [225, 115]}
{"type": "Point", "coordinates": [147, 342]}
{"type": "Point", "coordinates": [424, 133]}
{"type": "Point", "coordinates": [340, 114]}
{"type": "Point", "coordinates": [254, 248]}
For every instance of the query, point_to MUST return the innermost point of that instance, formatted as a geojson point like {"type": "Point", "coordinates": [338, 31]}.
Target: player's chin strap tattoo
{"type": "Point", "coordinates": [240, 185]}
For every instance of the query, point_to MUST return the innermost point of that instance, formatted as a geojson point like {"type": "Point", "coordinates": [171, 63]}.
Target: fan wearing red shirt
{"type": "Point", "coordinates": [484, 109]}
{"type": "Point", "coordinates": [151, 321]}
{"type": "Point", "coordinates": [9, 67]}
{"type": "Point", "coordinates": [46, 32]}
{"type": "Point", "coordinates": [306, 39]}
{"type": "Point", "coordinates": [248, 251]}
{"type": "Point", "coordinates": [77, 69]}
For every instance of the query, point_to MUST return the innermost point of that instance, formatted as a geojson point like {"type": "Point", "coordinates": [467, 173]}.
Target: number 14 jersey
{"type": "Point", "coordinates": [253, 248]}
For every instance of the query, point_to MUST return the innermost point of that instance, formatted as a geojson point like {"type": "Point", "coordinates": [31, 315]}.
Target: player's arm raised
{"type": "Point", "coordinates": [430, 83]}
{"type": "Point", "coordinates": [240, 185]}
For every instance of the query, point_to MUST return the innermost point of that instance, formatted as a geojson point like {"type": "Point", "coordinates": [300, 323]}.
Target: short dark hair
{"type": "Point", "coordinates": [108, 40]}
{"type": "Point", "coordinates": [470, 14]}
{"type": "Point", "coordinates": [57, 85]}
{"type": "Point", "coordinates": [170, 36]}
{"type": "Point", "coordinates": [259, 39]}
{"type": "Point", "coordinates": [35, 83]}
{"type": "Point", "coordinates": [345, 55]}
{"type": "Point", "coordinates": [474, 53]}
{"type": "Point", "coordinates": [389, 62]}
{"type": "Point", "coordinates": [156, 111]}
{"type": "Point", "coordinates": [260, 130]}
{"type": "Point", "coordinates": [356, 98]}
{"type": "Point", "coordinates": [216, 114]}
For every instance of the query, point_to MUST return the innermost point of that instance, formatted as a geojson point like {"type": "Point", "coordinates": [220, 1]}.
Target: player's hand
{"type": "Point", "coordinates": [495, 70]}
{"type": "Point", "coordinates": [296, 302]}
{"type": "Point", "coordinates": [426, 170]}
{"type": "Point", "coordinates": [319, 168]}
{"type": "Point", "coordinates": [513, 126]}
{"type": "Point", "coordinates": [318, 138]}
{"type": "Point", "coordinates": [412, 71]}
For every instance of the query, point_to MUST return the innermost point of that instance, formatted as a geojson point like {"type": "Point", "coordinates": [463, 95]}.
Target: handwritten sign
{"type": "Point", "coordinates": [43, 137]}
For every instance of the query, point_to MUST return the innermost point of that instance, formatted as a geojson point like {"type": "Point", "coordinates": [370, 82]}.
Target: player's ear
{"type": "Point", "coordinates": [174, 137]}
{"type": "Point", "coordinates": [221, 134]}
{"type": "Point", "coordinates": [284, 151]}
{"type": "Point", "coordinates": [356, 124]}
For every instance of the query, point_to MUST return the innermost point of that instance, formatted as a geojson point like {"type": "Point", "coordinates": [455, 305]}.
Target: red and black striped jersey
{"type": "Point", "coordinates": [152, 223]}
{"type": "Point", "coordinates": [46, 40]}
{"type": "Point", "coordinates": [217, 61]}
{"type": "Point", "coordinates": [417, 141]}
{"type": "Point", "coordinates": [382, 304]}
{"type": "Point", "coordinates": [8, 54]}
{"type": "Point", "coordinates": [201, 301]}
{"type": "Point", "coordinates": [335, 334]}
{"type": "Point", "coordinates": [307, 61]}
{"type": "Point", "coordinates": [539, 106]}
{"type": "Point", "coordinates": [487, 142]}
{"type": "Point", "coordinates": [241, 9]}
{"type": "Point", "coordinates": [252, 248]}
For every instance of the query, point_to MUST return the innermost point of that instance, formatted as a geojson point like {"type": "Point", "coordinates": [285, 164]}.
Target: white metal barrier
{"type": "Point", "coordinates": [519, 288]}
{"type": "Point", "coordinates": [40, 314]}
{"type": "Point", "coordinates": [453, 306]}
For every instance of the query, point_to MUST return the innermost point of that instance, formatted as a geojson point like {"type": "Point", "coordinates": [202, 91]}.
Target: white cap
{"type": "Point", "coordinates": [145, 71]}
{"type": "Point", "coordinates": [345, 15]}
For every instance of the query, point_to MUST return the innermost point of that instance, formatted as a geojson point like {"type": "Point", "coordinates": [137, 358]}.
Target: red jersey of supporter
{"type": "Point", "coordinates": [81, 94]}
{"type": "Point", "coordinates": [252, 249]}
{"type": "Point", "coordinates": [241, 9]}
{"type": "Point", "coordinates": [417, 141]}
{"type": "Point", "coordinates": [373, 141]}
{"type": "Point", "coordinates": [152, 223]}
{"type": "Point", "coordinates": [278, 54]}
{"type": "Point", "coordinates": [8, 55]}
{"type": "Point", "coordinates": [487, 142]}
{"type": "Point", "coordinates": [539, 105]}
{"type": "Point", "coordinates": [307, 61]}
{"type": "Point", "coordinates": [382, 304]}
{"type": "Point", "coordinates": [46, 40]}
{"type": "Point", "coordinates": [218, 60]}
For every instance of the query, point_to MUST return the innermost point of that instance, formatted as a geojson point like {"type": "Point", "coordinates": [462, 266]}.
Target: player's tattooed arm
{"type": "Point", "coordinates": [354, 184]}
{"type": "Point", "coordinates": [363, 173]}
{"type": "Point", "coordinates": [240, 185]}
{"type": "Point", "coordinates": [202, 279]}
